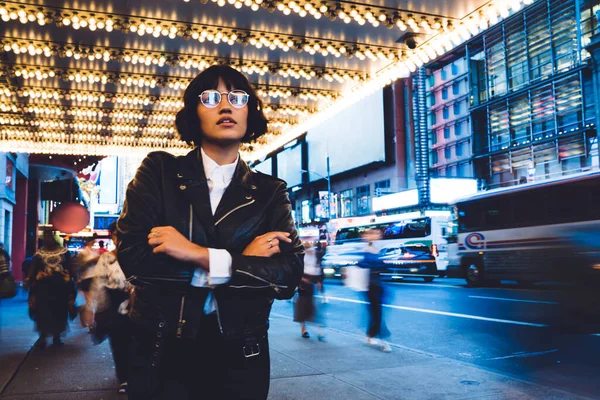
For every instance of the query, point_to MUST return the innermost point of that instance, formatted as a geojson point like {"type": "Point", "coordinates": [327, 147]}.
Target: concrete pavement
{"type": "Point", "coordinates": [341, 368]}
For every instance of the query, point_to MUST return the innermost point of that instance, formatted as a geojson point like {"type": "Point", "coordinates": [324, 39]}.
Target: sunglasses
{"type": "Point", "coordinates": [212, 98]}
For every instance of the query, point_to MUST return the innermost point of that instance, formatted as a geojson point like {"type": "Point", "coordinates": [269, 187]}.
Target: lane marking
{"type": "Point", "coordinates": [524, 355]}
{"type": "Point", "coordinates": [517, 300]}
{"type": "Point", "coordinates": [445, 313]}
{"type": "Point", "coordinates": [425, 285]}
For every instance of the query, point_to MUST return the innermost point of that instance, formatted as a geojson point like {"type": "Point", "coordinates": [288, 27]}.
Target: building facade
{"type": "Point", "coordinates": [516, 103]}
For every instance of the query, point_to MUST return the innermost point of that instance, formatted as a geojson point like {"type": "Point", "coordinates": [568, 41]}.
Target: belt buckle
{"type": "Point", "coordinates": [252, 350]}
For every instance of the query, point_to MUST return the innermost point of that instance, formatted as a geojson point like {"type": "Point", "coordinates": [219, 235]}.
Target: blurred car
{"type": "Point", "coordinates": [415, 260]}
{"type": "Point", "coordinates": [333, 263]}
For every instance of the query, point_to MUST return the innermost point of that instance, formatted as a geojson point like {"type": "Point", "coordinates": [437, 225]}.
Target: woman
{"type": "Point", "coordinates": [85, 263]}
{"type": "Point", "coordinates": [208, 244]}
{"type": "Point", "coordinates": [305, 309]}
{"type": "Point", "coordinates": [52, 290]}
{"type": "Point", "coordinates": [377, 330]}
{"type": "Point", "coordinates": [109, 297]}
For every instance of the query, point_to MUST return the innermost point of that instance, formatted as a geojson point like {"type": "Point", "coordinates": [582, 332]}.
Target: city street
{"type": "Point", "coordinates": [537, 335]}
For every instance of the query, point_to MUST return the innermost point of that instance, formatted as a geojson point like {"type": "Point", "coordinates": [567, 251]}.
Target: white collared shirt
{"type": "Point", "coordinates": [218, 178]}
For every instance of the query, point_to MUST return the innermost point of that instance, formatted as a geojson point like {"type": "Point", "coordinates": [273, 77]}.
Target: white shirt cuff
{"type": "Point", "coordinates": [219, 262]}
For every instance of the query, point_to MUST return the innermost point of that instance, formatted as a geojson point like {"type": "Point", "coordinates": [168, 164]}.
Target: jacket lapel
{"type": "Point", "coordinates": [192, 183]}
{"type": "Point", "coordinates": [238, 194]}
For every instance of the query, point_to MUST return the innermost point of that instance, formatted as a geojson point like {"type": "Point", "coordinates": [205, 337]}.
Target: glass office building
{"type": "Point", "coordinates": [516, 103]}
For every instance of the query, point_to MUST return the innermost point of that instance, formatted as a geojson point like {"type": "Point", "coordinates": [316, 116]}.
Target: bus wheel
{"type": "Point", "coordinates": [474, 274]}
{"type": "Point", "coordinates": [428, 279]}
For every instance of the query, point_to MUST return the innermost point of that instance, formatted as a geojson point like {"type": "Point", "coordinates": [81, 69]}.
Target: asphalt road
{"type": "Point", "coordinates": [547, 334]}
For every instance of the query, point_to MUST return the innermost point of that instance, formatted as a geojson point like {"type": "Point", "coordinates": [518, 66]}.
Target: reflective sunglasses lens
{"type": "Point", "coordinates": [238, 98]}
{"type": "Point", "coordinates": [210, 98]}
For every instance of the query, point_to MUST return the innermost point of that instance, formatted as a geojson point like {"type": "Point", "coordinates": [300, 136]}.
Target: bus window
{"type": "Point", "coordinates": [529, 208]}
{"type": "Point", "coordinates": [569, 203]}
{"type": "Point", "coordinates": [470, 217]}
{"type": "Point", "coordinates": [497, 213]}
{"type": "Point", "coordinates": [406, 230]}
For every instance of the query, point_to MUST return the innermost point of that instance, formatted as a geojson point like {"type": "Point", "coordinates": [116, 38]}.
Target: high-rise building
{"type": "Point", "coordinates": [516, 103]}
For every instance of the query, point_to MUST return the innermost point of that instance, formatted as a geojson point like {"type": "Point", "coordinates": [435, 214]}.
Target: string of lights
{"type": "Point", "coordinates": [150, 81]}
{"type": "Point", "coordinates": [346, 11]}
{"type": "Point", "coordinates": [98, 20]}
{"type": "Point", "coordinates": [182, 60]}
{"type": "Point", "coordinates": [124, 104]}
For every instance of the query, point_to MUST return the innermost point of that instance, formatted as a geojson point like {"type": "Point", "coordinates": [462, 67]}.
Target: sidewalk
{"type": "Point", "coordinates": [343, 368]}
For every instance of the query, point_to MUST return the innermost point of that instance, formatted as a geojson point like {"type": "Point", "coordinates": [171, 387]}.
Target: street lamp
{"type": "Point", "coordinates": [328, 179]}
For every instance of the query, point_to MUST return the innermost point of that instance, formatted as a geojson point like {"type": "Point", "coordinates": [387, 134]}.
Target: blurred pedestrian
{"type": "Point", "coordinates": [377, 330]}
{"type": "Point", "coordinates": [305, 306]}
{"type": "Point", "coordinates": [209, 244]}
{"type": "Point", "coordinates": [109, 297]}
{"type": "Point", "coordinates": [52, 290]}
{"type": "Point", "coordinates": [85, 266]}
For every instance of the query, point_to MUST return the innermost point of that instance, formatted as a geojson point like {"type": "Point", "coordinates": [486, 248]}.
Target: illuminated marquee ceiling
{"type": "Point", "coordinates": [103, 78]}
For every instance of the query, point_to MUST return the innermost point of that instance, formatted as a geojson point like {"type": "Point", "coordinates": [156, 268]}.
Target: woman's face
{"type": "Point", "coordinates": [224, 123]}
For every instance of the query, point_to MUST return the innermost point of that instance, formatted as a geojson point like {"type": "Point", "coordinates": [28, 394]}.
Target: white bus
{"type": "Point", "coordinates": [546, 231]}
{"type": "Point", "coordinates": [426, 231]}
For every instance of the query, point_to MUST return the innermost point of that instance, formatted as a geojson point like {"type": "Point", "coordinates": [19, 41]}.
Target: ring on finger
{"type": "Point", "coordinates": [270, 240]}
{"type": "Point", "coordinates": [270, 244]}
{"type": "Point", "coordinates": [156, 234]}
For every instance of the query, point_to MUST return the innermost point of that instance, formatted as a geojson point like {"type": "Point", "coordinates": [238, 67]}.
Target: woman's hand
{"type": "Point", "coordinates": [169, 241]}
{"type": "Point", "coordinates": [266, 245]}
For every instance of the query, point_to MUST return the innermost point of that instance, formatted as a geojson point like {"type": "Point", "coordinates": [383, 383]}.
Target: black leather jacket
{"type": "Point", "coordinates": [173, 191]}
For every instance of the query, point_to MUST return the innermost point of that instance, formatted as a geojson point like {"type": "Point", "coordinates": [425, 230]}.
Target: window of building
{"type": "Point", "coordinates": [454, 69]}
{"type": "Point", "coordinates": [447, 153]}
{"type": "Point", "coordinates": [431, 99]}
{"type": "Point", "coordinates": [444, 74]}
{"type": "Point", "coordinates": [434, 138]}
{"type": "Point", "coordinates": [456, 88]}
{"type": "Point", "coordinates": [347, 203]}
{"type": "Point", "coordinates": [457, 108]}
{"type": "Point", "coordinates": [431, 80]}
{"type": "Point", "coordinates": [496, 67]}
{"type": "Point", "coordinates": [434, 157]}
{"type": "Point", "coordinates": [382, 187]}
{"type": "Point", "coordinates": [432, 119]}
{"type": "Point", "coordinates": [446, 132]}
{"type": "Point", "coordinates": [459, 149]}
{"type": "Point", "coordinates": [445, 113]}
{"type": "Point", "coordinates": [458, 128]}
{"type": "Point", "coordinates": [363, 199]}
{"type": "Point", "coordinates": [540, 49]}
{"type": "Point", "coordinates": [445, 94]}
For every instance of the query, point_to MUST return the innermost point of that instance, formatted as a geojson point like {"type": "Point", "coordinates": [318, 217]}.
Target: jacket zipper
{"type": "Point", "coordinates": [213, 292]}
{"type": "Point", "coordinates": [181, 321]}
{"type": "Point", "coordinates": [233, 210]}
{"type": "Point", "coordinates": [277, 288]}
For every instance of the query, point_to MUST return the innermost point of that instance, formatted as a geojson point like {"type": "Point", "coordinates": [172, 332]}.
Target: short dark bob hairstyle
{"type": "Point", "coordinates": [187, 121]}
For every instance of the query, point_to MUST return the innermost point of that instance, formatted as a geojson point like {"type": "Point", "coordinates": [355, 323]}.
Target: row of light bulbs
{"type": "Point", "coordinates": [87, 96]}
{"type": "Point", "coordinates": [92, 76]}
{"type": "Point", "coordinates": [78, 137]}
{"type": "Point", "coordinates": [202, 33]}
{"type": "Point", "coordinates": [187, 61]}
{"type": "Point", "coordinates": [169, 102]}
{"type": "Point", "coordinates": [360, 14]}
{"type": "Point", "coordinates": [88, 126]}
